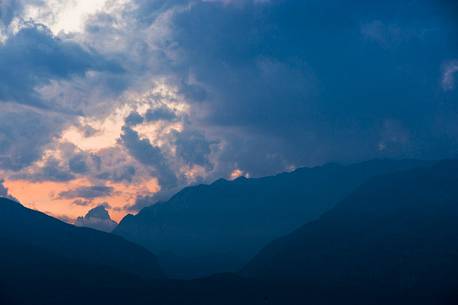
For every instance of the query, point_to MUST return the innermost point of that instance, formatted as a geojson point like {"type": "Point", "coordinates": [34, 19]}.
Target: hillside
{"type": "Point", "coordinates": [396, 235]}
{"type": "Point", "coordinates": [208, 229]}
{"type": "Point", "coordinates": [30, 236]}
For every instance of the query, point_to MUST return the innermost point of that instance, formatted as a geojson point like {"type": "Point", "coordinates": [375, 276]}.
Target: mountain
{"type": "Point", "coordinates": [97, 218]}
{"type": "Point", "coordinates": [215, 228]}
{"type": "Point", "coordinates": [394, 238]}
{"type": "Point", "coordinates": [30, 238]}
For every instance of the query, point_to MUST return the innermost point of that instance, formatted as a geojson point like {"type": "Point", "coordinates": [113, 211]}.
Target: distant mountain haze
{"type": "Point", "coordinates": [208, 229]}
{"type": "Point", "coordinates": [41, 237]}
{"type": "Point", "coordinates": [396, 234]}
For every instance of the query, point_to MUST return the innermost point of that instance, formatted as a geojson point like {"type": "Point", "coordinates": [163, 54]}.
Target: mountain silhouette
{"type": "Point", "coordinates": [28, 236]}
{"type": "Point", "coordinates": [97, 218]}
{"type": "Point", "coordinates": [395, 238]}
{"type": "Point", "coordinates": [215, 228]}
{"type": "Point", "coordinates": [392, 240]}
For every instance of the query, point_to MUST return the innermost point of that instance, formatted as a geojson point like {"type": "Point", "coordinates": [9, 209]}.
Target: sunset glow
{"type": "Point", "coordinates": [126, 100]}
{"type": "Point", "coordinates": [44, 196]}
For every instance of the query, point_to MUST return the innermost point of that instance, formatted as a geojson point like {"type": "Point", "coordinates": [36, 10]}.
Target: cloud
{"type": "Point", "coordinates": [78, 164]}
{"type": "Point", "coordinates": [81, 202]}
{"type": "Point", "coordinates": [142, 202]}
{"type": "Point", "coordinates": [4, 192]}
{"type": "Point", "coordinates": [24, 134]}
{"type": "Point", "coordinates": [301, 78]}
{"type": "Point", "coordinates": [33, 57]}
{"type": "Point", "coordinates": [238, 3]}
{"type": "Point", "coordinates": [147, 154]}
{"type": "Point", "coordinates": [97, 218]}
{"type": "Point", "coordinates": [193, 148]}
{"type": "Point", "coordinates": [63, 16]}
{"type": "Point", "coordinates": [187, 91]}
{"type": "Point", "coordinates": [52, 170]}
{"type": "Point", "coordinates": [160, 113]}
{"type": "Point", "coordinates": [134, 118]}
{"type": "Point", "coordinates": [448, 75]}
{"type": "Point", "coordinates": [121, 173]}
{"type": "Point", "coordinates": [113, 167]}
{"type": "Point", "coordinates": [87, 192]}
{"type": "Point", "coordinates": [9, 9]}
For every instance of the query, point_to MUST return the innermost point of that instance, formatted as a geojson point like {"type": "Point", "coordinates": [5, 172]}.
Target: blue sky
{"type": "Point", "coordinates": [144, 97]}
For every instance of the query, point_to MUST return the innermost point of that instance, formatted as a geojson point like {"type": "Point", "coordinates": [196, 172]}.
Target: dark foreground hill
{"type": "Point", "coordinates": [395, 237]}
{"type": "Point", "coordinates": [215, 228]}
{"type": "Point", "coordinates": [30, 239]}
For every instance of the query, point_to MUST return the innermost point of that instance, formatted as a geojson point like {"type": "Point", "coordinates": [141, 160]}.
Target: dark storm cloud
{"type": "Point", "coordinates": [193, 148]}
{"type": "Point", "coordinates": [315, 81]}
{"type": "Point", "coordinates": [12, 8]}
{"type": "Point", "coordinates": [160, 113]}
{"type": "Point", "coordinates": [78, 164]}
{"type": "Point", "coordinates": [121, 174]}
{"type": "Point", "coordinates": [33, 57]}
{"type": "Point", "coordinates": [87, 192]}
{"type": "Point", "coordinates": [134, 118]}
{"type": "Point", "coordinates": [24, 133]}
{"type": "Point", "coordinates": [52, 170]}
{"type": "Point", "coordinates": [147, 154]}
{"type": "Point", "coordinates": [280, 83]}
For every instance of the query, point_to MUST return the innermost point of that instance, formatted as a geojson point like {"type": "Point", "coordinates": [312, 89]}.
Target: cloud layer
{"type": "Point", "coordinates": [33, 57]}
{"type": "Point", "coordinates": [145, 97]}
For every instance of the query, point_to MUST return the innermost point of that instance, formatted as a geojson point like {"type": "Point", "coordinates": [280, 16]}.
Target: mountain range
{"type": "Point", "coordinates": [392, 239]}
{"type": "Point", "coordinates": [395, 236]}
{"type": "Point", "coordinates": [215, 228]}
{"type": "Point", "coordinates": [30, 236]}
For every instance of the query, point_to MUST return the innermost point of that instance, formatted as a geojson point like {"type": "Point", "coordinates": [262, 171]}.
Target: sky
{"type": "Point", "coordinates": [121, 103]}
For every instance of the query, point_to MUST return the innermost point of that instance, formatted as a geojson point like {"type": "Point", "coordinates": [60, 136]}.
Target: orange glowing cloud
{"type": "Point", "coordinates": [237, 173]}
{"type": "Point", "coordinates": [99, 136]}
{"type": "Point", "coordinates": [44, 196]}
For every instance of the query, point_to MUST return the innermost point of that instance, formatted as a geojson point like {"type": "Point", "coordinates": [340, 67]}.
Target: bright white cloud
{"type": "Point", "coordinates": [64, 15]}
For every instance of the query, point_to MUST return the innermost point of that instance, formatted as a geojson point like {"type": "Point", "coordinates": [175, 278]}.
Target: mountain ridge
{"type": "Point", "coordinates": [35, 230]}
{"type": "Point", "coordinates": [396, 233]}
{"type": "Point", "coordinates": [230, 221]}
